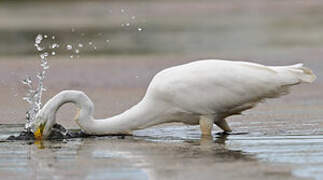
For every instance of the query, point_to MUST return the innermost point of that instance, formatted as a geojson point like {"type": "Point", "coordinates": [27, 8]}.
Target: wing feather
{"type": "Point", "coordinates": [213, 86]}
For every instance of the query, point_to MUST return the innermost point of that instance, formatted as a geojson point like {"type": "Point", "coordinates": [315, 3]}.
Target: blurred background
{"type": "Point", "coordinates": [212, 28]}
{"type": "Point", "coordinates": [111, 49]}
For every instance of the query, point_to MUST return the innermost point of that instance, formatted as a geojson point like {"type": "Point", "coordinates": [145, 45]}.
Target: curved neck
{"type": "Point", "coordinates": [139, 116]}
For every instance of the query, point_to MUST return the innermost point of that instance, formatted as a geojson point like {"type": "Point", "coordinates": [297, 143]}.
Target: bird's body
{"type": "Point", "coordinates": [202, 92]}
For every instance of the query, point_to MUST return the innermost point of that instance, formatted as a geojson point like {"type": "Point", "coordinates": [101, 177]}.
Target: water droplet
{"type": "Point", "coordinates": [45, 36]}
{"type": "Point", "coordinates": [44, 64]}
{"type": "Point", "coordinates": [44, 55]}
{"type": "Point", "coordinates": [53, 37]}
{"type": "Point", "coordinates": [80, 45]}
{"type": "Point", "coordinates": [38, 39]}
{"type": "Point", "coordinates": [53, 53]}
{"type": "Point", "coordinates": [55, 45]}
{"type": "Point", "coordinates": [69, 47]}
{"type": "Point", "coordinates": [30, 91]}
{"type": "Point", "coordinates": [28, 99]}
{"type": "Point", "coordinates": [39, 48]}
{"type": "Point", "coordinates": [27, 81]}
{"type": "Point", "coordinates": [94, 47]}
{"type": "Point", "coordinates": [71, 56]}
{"type": "Point", "coordinates": [77, 51]}
{"type": "Point", "coordinates": [128, 24]}
{"type": "Point", "coordinates": [133, 17]}
{"type": "Point", "coordinates": [90, 43]}
{"type": "Point", "coordinates": [139, 29]}
{"type": "Point", "coordinates": [40, 76]}
{"type": "Point", "coordinates": [122, 10]}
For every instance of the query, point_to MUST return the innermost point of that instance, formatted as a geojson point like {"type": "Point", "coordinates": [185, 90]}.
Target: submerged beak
{"type": "Point", "coordinates": [38, 134]}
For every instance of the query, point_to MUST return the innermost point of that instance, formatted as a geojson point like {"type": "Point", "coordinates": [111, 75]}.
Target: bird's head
{"type": "Point", "coordinates": [41, 126]}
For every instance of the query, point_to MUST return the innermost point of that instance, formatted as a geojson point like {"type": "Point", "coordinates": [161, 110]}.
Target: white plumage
{"type": "Point", "coordinates": [202, 92]}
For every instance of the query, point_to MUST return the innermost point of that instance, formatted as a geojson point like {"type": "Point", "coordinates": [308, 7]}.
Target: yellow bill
{"type": "Point", "coordinates": [38, 134]}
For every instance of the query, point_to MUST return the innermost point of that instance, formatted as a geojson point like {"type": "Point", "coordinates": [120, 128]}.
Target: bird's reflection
{"type": "Point", "coordinates": [138, 155]}
{"type": "Point", "coordinates": [210, 140]}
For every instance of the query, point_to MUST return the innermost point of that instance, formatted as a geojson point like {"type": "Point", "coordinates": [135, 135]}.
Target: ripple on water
{"type": "Point", "coordinates": [117, 174]}
{"type": "Point", "coordinates": [305, 153]}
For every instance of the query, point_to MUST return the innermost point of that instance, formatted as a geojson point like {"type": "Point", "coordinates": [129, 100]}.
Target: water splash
{"type": "Point", "coordinates": [34, 94]}
{"type": "Point", "coordinates": [69, 47]}
{"type": "Point", "coordinates": [54, 45]}
{"type": "Point", "coordinates": [35, 89]}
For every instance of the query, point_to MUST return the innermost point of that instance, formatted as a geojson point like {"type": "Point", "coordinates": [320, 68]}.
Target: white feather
{"type": "Point", "coordinates": [207, 88]}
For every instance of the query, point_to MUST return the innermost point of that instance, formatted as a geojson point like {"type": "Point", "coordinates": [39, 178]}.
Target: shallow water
{"type": "Point", "coordinates": [170, 152]}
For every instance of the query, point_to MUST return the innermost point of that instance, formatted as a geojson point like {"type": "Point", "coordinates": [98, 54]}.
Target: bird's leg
{"type": "Point", "coordinates": [206, 125]}
{"type": "Point", "coordinates": [222, 123]}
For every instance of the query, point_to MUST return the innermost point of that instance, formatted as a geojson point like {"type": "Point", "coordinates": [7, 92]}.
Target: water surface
{"type": "Point", "coordinates": [170, 152]}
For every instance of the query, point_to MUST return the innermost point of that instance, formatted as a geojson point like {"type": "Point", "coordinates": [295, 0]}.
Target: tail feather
{"type": "Point", "coordinates": [304, 74]}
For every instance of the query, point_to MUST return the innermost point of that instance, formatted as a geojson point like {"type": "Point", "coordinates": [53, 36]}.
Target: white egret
{"type": "Point", "coordinates": [203, 92]}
